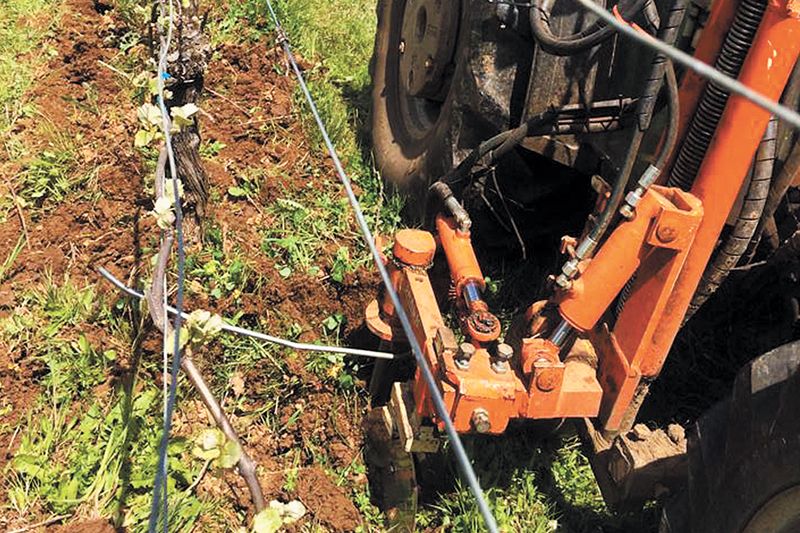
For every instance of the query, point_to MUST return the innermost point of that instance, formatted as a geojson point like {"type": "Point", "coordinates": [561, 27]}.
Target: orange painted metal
{"type": "Point", "coordinates": [671, 240]}
{"type": "Point", "coordinates": [654, 244]}
{"type": "Point", "coordinates": [457, 246]}
{"type": "Point", "coordinates": [618, 378]}
{"type": "Point", "coordinates": [692, 85]}
{"type": "Point", "coordinates": [476, 321]}
{"type": "Point", "coordinates": [414, 247]}
{"type": "Point", "coordinates": [479, 386]}
{"type": "Point", "coordinates": [666, 219]}
{"type": "Point", "coordinates": [668, 243]}
{"type": "Point", "coordinates": [557, 389]}
{"type": "Point", "coordinates": [766, 70]}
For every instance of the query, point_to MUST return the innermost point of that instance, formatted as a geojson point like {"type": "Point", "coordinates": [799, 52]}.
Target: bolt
{"type": "Point", "coordinates": [666, 233]}
{"type": "Point", "coordinates": [465, 353]}
{"type": "Point", "coordinates": [480, 420]}
{"type": "Point", "coordinates": [504, 352]}
{"type": "Point", "coordinates": [563, 282]}
{"type": "Point", "coordinates": [626, 211]}
{"type": "Point", "coordinates": [402, 46]}
{"type": "Point", "coordinates": [429, 63]}
{"type": "Point", "coordinates": [546, 380]}
{"type": "Point", "coordinates": [502, 356]}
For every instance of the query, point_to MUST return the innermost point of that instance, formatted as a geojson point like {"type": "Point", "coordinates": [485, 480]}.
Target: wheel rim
{"type": "Point", "coordinates": [420, 64]}
{"type": "Point", "coordinates": [780, 514]}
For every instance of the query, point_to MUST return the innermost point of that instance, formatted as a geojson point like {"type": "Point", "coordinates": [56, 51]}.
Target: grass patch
{"type": "Point", "coordinates": [337, 38]}
{"type": "Point", "coordinates": [23, 26]}
{"type": "Point", "coordinates": [88, 445]}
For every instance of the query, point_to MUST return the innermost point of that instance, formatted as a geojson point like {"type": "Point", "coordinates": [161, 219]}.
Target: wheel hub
{"type": "Point", "coordinates": [426, 45]}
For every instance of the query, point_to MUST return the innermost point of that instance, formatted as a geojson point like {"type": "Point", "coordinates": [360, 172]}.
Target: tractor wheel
{"type": "Point", "coordinates": [744, 455]}
{"type": "Point", "coordinates": [433, 97]}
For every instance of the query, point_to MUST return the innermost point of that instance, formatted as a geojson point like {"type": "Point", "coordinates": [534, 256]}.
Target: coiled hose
{"type": "Point", "coordinates": [698, 138]}
{"type": "Point", "coordinates": [712, 104]}
{"type": "Point", "coordinates": [728, 254]}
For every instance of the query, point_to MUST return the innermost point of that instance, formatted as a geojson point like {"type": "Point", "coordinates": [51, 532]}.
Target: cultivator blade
{"type": "Point", "coordinates": [391, 470]}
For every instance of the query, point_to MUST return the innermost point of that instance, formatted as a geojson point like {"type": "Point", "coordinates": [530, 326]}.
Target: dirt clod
{"type": "Point", "coordinates": [326, 501]}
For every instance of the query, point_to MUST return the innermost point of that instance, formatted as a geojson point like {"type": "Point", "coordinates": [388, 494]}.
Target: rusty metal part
{"type": "Point", "coordinates": [391, 470]}
{"type": "Point", "coordinates": [414, 436]}
{"type": "Point", "coordinates": [427, 43]}
{"type": "Point", "coordinates": [481, 325]}
{"type": "Point", "coordinates": [639, 465]}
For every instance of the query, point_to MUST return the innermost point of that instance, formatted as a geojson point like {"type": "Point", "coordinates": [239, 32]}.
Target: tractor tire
{"type": "Point", "coordinates": [744, 455]}
{"type": "Point", "coordinates": [420, 131]}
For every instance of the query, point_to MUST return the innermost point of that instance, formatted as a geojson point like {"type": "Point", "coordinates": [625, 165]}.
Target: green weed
{"type": "Point", "coordinates": [23, 26]}
{"type": "Point", "coordinates": [82, 450]}
{"type": "Point", "coordinates": [217, 273]}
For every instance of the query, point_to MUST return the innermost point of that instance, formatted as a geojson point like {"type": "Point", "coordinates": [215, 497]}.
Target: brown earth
{"type": "Point", "coordinates": [77, 235]}
{"type": "Point", "coordinates": [81, 98]}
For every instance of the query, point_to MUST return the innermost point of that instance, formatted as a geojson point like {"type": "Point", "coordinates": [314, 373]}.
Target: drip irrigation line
{"type": "Point", "coordinates": [441, 408]}
{"type": "Point", "coordinates": [302, 346]}
{"type": "Point", "coordinates": [705, 70]}
{"type": "Point", "coordinates": [160, 484]}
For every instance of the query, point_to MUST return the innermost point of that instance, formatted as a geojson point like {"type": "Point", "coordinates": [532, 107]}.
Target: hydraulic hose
{"type": "Point", "coordinates": [787, 156]}
{"type": "Point", "coordinates": [728, 254]}
{"type": "Point", "coordinates": [577, 42]}
{"type": "Point", "coordinates": [644, 113]}
{"type": "Point", "coordinates": [496, 147]}
{"type": "Point", "coordinates": [712, 104]}
{"type": "Point", "coordinates": [673, 104]}
{"type": "Point", "coordinates": [667, 146]}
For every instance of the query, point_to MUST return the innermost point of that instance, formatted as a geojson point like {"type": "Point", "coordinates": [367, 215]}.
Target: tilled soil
{"type": "Point", "coordinates": [90, 103]}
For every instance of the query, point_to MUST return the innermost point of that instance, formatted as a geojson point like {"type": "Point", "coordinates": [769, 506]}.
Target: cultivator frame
{"type": "Point", "coordinates": [561, 359]}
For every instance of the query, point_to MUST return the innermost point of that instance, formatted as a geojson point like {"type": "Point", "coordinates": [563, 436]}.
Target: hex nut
{"type": "Point", "coordinates": [465, 352]}
{"type": "Point", "coordinates": [504, 352]}
{"type": "Point", "coordinates": [666, 233]}
{"type": "Point", "coordinates": [546, 380]}
{"type": "Point", "coordinates": [480, 420]}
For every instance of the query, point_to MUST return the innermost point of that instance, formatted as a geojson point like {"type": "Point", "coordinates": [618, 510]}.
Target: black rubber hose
{"type": "Point", "coordinates": [644, 112]}
{"type": "Point", "coordinates": [728, 254]}
{"type": "Point", "coordinates": [577, 42]}
{"type": "Point", "coordinates": [787, 157]}
{"type": "Point", "coordinates": [497, 146]}
{"type": "Point", "coordinates": [673, 103]}
{"type": "Point", "coordinates": [670, 140]}
{"type": "Point", "coordinates": [712, 104]}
